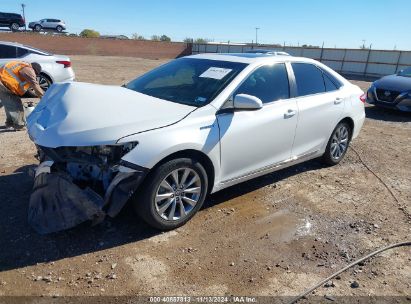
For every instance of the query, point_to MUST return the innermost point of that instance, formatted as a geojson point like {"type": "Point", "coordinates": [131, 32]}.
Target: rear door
{"type": "Point", "coordinates": [320, 105]}
{"type": "Point", "coordinates": [253, 140]}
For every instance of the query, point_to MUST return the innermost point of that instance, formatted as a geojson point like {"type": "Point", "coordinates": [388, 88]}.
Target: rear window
{"type": "Point", "coordinates": [8, 51]}
{"type": "Point", "coordinates": [21, 52]}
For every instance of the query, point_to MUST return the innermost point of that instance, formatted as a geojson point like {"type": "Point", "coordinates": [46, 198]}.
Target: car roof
{"type": "Point", "coordinates": [249, 57]}
{"type": "Point", "coordinates": [25, 46]}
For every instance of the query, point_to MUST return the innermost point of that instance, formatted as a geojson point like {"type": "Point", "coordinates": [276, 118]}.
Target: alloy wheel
{"type": "Point", "coordinates": [339, 142]}
{"type": "Point", "coordinates": [43, 82]}
{"type": "Point", "coordinates": [178, 194]}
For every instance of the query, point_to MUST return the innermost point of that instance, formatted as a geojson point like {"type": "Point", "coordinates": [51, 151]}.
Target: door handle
{"type": "Point", "coordinates": [289, 113]}
{"type": "Point", "coordinates": [338, 100]}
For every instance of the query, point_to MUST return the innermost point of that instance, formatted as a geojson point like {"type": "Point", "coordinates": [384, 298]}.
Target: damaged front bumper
{"type": "Point", "coordinates": [58, 202]}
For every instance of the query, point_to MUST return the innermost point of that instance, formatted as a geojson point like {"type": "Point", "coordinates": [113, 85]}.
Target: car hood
{"type": "Point", "coordinates": [83, 114]}
{"type": "Point", "coordinates": [394, 83]}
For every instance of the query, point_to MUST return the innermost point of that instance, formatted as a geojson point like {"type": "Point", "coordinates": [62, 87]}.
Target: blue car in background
{"type": "Point", "coordinates": [393, 91]}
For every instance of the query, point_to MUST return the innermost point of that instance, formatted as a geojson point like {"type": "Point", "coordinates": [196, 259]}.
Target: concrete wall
{"type": "Point", "coordinates": [96, 46]}
{"type": "Point", "coordinates": [373, 63]}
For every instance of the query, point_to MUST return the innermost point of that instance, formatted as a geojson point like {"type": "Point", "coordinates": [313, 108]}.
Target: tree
{"type": "Point", "coordinates": [155, 38]}
{"type": "Point", "coordinates": [165, 38]}
{"type": "Point", "coordinates": [201, 40]}
{"type": "Point", "coordinates": [188, 40]}
{"type": "Point", "coordinates": [88, 33]}
{"type": "Point", "coordinates": [136, 36]}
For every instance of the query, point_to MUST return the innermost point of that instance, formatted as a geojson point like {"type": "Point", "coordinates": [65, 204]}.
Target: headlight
{"type": "Point", "coordinates": [90, 154]}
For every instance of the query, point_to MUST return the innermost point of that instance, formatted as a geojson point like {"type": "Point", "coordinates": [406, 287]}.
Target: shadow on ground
{"type": "Point", "coordinates": [383, 114]}
{"type": "Point", "coordinates": [21, 246]}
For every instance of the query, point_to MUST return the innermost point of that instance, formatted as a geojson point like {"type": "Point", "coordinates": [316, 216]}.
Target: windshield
{"type": "Point", "coordinates": [405, 73]}
{"type": "Point", "coordinates": [194, 82]}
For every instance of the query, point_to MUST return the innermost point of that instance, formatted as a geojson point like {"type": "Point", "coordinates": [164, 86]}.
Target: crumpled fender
{"type": "Point", "coordinates": [56, 203]}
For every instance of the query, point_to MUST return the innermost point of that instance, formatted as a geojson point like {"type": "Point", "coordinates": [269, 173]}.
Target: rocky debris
{"type": "Point", "coordinates": [190, 250]}
{"type": "Point", "coordinates": [114, 265]}
{"type": "Point", "coordinates": [355, 284]}
{"type": "Point", "coordinates": [227, 211]}
{"type": "Point", "coordinates": [329, 298]}
{"type": "Point", "coordinates": [232, 264]}
{"type": "Point", "coordinates": [111, 276]}
{"type": "Point", "coordinates": [329, 284]}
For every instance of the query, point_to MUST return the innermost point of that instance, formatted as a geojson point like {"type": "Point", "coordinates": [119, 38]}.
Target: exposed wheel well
{"type": "Point", "coordinates": [350, 122]}
{"type": "Point", "coordinates": [46, 76]}
{"type": "Point", "coordinates": [197, 155]}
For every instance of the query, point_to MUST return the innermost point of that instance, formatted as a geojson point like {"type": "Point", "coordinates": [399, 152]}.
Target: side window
{"type": "Point", "coordinates": [309, 79]}
{"type": "Point", "coordinates": [21, 52]}
{"type": "Point", "coordinates": [335, 81]}
{"type": "Point", "coordinates": [269, 83]}
{"type": "Point", "coordinates": [329, 85]}
{"type": "Point", "coordinates": [7, 51]}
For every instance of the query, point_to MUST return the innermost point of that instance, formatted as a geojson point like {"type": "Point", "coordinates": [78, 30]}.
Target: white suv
{"type": "Point", "coordinates": [193, 126]}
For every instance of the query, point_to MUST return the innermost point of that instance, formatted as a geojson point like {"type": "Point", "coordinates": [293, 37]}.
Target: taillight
{"type": "Point", "coordinates": [66, 63]}
{"type": "Point", "coordinates": [363, 97]}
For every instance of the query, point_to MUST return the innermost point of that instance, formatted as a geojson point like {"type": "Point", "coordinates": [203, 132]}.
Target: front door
{"type": "Point", "coordinates": [253, 140]}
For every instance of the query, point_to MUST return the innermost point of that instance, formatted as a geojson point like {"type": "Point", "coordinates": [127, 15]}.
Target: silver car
{"type": "Point", "coordinates": [48, 24]}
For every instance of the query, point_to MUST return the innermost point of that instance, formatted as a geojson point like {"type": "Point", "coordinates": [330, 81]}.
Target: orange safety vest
{"type": "Point", "coordinates": [11, 79]}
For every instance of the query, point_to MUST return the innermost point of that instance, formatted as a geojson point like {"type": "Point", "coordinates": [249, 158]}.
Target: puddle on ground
{"type": "Point", "coordinates": [283, 226]}
{"type": "Point", "coordinates": [261, 219]}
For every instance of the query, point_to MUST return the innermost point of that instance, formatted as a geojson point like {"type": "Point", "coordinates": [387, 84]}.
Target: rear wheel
{"type": "Point", "coordinates": [14, 27]}
{"type": "Point", "coordinates": [338, 144]}
{"type": "Point", "coordinates": [172, 194]}
{"type": "Point", "coordinates": [44, 82]}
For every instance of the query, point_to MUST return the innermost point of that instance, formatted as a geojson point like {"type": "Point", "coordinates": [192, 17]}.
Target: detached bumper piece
{"type": "Point", "coordinates": [57, 203]}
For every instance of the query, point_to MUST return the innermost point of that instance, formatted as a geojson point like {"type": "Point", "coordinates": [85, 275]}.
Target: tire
{"type": "Point", "coordinates": [45, 83]}
{"type": "Point", "coordinates": [37, 28]}
{"type": "Point", "coordinates": [337, 144]}
{"type": "Point", "coordinates": [59, 29]}
{"type": "Point", "coordinates": [14, 27]}
{"type": "Point", "coordinates": [156, 200]}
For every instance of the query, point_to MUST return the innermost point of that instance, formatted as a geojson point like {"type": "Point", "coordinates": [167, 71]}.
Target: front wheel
{"type": "Point", "coordinates": [172, 194]}
{"type": "Point", "coordinates": [338, 144]}
{"type": "Point", "coordinates": [59, 28]}
{"type": "Point", "coordinates": [14, 27]}
{"type": "Point", "coordinates": [37, 28]}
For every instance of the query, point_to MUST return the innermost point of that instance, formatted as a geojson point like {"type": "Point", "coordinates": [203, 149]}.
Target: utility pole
{"type": "Point", "coordinates": [24, 16]}
{"type": "Point", "coordinates": [256, 35]}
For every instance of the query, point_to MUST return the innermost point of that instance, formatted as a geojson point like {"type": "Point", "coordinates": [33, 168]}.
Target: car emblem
{"type": "Point", "coordinates": [387, 93]}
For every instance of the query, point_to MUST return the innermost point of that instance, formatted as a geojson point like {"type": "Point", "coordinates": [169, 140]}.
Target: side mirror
{"type": "Point", "coordinates": [247, 102]}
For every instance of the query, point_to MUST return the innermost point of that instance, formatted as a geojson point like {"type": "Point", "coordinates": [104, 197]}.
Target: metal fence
{"type": "Point", "coordinates": [362, 62]}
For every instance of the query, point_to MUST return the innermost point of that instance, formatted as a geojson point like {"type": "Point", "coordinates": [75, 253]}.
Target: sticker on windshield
{"type": "Point", "coordinates": [215, 73]}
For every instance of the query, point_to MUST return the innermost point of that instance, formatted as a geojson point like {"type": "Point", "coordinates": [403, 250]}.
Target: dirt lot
{"type": "Point", "coordinates": [275, 235]}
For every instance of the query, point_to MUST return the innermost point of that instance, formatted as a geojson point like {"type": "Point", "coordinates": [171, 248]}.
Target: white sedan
{"type": "Point", "coordinates": [193, 126]}
{"type": "Point", "coordinates": [55, 68]}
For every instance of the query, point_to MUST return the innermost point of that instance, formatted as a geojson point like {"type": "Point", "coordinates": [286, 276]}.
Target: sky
{"type": "Point", "coordinates": [337, 23]}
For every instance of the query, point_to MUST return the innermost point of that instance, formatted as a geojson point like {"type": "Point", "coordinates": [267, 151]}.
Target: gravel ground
{"type": "Point", "coordinates": [275, 235]}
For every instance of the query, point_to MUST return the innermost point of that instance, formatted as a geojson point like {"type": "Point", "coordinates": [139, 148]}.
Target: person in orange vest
{"type": "Point", "coordinates": [16, 77]}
